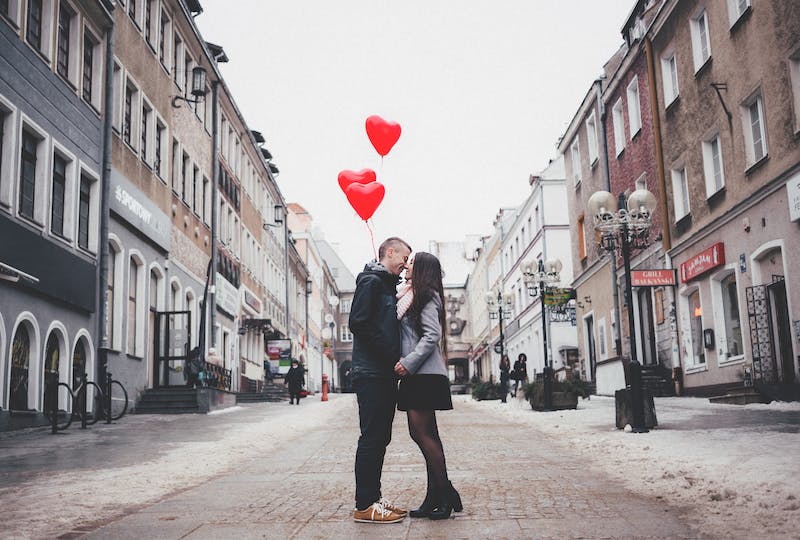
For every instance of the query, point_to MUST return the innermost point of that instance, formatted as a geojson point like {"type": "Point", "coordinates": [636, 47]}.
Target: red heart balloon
{"type": "Point", "coordinates": [364, 176]}
{"type": "Point", "coordinates": [382, 133]}
{"type": "Point", "coordinates": [365, 198]}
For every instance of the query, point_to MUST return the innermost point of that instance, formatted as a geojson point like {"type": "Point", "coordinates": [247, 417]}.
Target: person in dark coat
{"type": "Point", "coordinates": [505, 376]}
{"type": "Point", "coordinates": [376, 350]}
{"type": "Point", "coordinates": [295, 379]}
{"type": "Point", "coordinates": [520, 371]}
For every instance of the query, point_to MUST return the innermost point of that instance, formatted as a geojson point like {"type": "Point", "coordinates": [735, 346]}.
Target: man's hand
{"type": "Point", "coordinates": [400, 369]}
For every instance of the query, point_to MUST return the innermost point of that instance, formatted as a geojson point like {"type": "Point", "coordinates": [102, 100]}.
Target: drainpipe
{"type": "Point", "coordinates": [212, 314]}
{"type": "Point", "coordinates": [105, 193]}
{"type": "Point", "coordinates": [607, 177]}
{"type": "Point", "coordinates": [662, 193]}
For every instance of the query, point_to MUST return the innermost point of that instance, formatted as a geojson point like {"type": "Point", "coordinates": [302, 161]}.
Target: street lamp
{"type": "Point", "coordinates": [279, 219]}
{"type": "Point", "coordinates": [622, 225]}
{"type": "Point", "coordinates": [499, 308]}
{"type": "Point", "coordinates": [547, 274]}
{"type": "Point", "coordinates": [199, 91]}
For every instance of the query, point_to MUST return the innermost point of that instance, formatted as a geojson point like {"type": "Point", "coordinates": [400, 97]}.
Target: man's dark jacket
{"type": "Point", "coordinates": [373, 322]}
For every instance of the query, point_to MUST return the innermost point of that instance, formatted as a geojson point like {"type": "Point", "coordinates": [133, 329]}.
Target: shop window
{"type": "Point", "coordinates": [730, 311]}
{"type": "Point", "coordinates": [20, 362]}
{"type": "Point", "coordinates": [78, 363]}
{"type": "Point", "coordinates": [698, 355]}
{"type": "Point", "coordinates": [51, 360]}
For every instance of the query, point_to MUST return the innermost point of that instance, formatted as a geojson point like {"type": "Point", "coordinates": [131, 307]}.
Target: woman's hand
{"type": "Point", "coordinates": [400, 369]}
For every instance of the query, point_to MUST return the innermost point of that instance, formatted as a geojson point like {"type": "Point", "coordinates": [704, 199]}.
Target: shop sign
{"type": "Point", "coordinates": [558, 297]}
{"type": "Point", "coordinates": [137, 209]}
{"type": "Point", "coordinates": [793, 196]}
{"type": "Point", "coordinates": [703, 262]}
{"type": "Point", "coordinates": [227, 296]}
{"type": "Point", "coordinates": [251, 300]}
{"type": "Point", "coordinates": [652, 278]}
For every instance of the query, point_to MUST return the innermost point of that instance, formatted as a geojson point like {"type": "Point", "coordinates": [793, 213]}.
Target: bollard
{"type": "Point", "coordinates": [108, 398]}
{"type": "Point", "coordinates": [324, 388]}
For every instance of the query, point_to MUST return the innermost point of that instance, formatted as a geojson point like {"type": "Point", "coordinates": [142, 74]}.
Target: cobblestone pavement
{"type": "Point", "coordinates": [514, 481]}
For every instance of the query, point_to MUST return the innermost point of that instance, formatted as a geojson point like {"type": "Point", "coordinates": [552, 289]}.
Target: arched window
{"type": "Point", "coordinates": [20, 361]}
{"type": "Point", "coordinates": [110, 305]}
{"type": "Point", "coordinates": [132, 305]}
{"type": "Point", "coordinates": [78, 363]}
{"type": "Point", "coordinates": [51, 360]}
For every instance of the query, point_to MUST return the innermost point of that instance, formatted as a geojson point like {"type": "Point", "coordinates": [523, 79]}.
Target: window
{"type": "Point", "coordinates": [346, 335]}
{"type": "Point", "coordinates": [195, 191]}
{"type": "Point", "coordinates": [20, 362]}
{"type": "Point", "coordinates": [619, 126]}
{"type": "Point", "coordinates": [9, 9]}
{"type": "Point", "coordinates": [27, 174]}
{"type": "Point", "coordinates": [669, 72]}
{"type": "Point", "coordinates": [344, 305]}
{"type": "Point", "coordinates": [148, 21]}
{"type": "Point", "coordinates": [680, 193]}
{"type": "Point", "coordinates": [84, 211]}
{"type": "Point", "coordinates": [117, 81]}
{"type": "Point", "coordinates": [185, 178]}
{"type": "Point", "coordinates": [6, 129]}
{"type": "Point", "coordinates": [582, 252]}
{"type": "Point", "coordinates": [698, 353]}
{"type": "Point", "coordinates": [91, 67]}
{"type": "Point", "coordinates": [128, 112]}
{"type": "Point", "coordinates": [634, 107]}
{"type": "Point", "coordinates": [754, 132]}
{"type": "Point", "coordinates": [176, 171]}
{"type": "Point", "coordinates": [58, 195]}
{"type": "Point", "coordinates": [701, 45]}
{"type": "Point", "coordinates": [712, 166]}
{"type": "Point", "coordinates": [66, 37]}
{"type": "Point", "coordinates": [132, 270]}
{"type": "Point", "coordinates": [576, 162]}
{"type": "Point", "coordinates": [794, 76]}
{"type": "Point", "coordinates": [164, 40]}
{"type": "Point", "coordinates": [160, 149]}
{"type": "Point", "coordinates": [177, 62]}
{"type": "Point", "coordinates": [730, 312]}
{"type": "Point", "coordinates": [737, 8]}
{"type": "Point", "coordinates": [147, 114]}
{"type": "Point", "coordinates": [113, 256]}
{"type": "Point", "coordinates": [33, 24]}
{"type": "Point", "coordinates": [132, 10]}
{"type": "Point", "coordinates": [591, 138]}
{"type": "Point", "coordinates": [206, 208]}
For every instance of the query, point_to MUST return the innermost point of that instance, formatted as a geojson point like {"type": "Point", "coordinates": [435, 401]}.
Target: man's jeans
{"type": "Point", "coordinates": [377, 399]}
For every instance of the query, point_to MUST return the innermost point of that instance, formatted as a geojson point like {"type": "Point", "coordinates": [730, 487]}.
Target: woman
{"type": "Point", "coordinates": [505, 375]}
{"type": "Point", "coordinates": [424, 387]}
{"type": "Point", "coordinates": [295, 379]}
{"type": "Point", "coordinates": [520, 371]}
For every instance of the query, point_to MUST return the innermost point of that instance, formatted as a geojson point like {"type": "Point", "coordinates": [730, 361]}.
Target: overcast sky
{"type": "Point", "coordinates": [481, 88]}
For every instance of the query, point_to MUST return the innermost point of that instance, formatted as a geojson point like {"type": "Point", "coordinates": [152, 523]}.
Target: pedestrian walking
{"type": "Point", "coordinates": [295, 379]}
{"type": "Point", "coordinates": [424, 386]}
{"type": "Point", "coordinates": [376, 349]}
{"type": "Point", "coordinates": [520, 371]}
{"type": "Point", "coordinates": [505, 375]}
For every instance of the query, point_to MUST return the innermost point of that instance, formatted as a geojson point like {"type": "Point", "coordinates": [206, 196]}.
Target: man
{"type": "Point", "coordinates": [376, 349]}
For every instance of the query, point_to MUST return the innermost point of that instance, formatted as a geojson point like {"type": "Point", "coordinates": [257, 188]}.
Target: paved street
{"type": "Point", "coordinates": [301, 485]}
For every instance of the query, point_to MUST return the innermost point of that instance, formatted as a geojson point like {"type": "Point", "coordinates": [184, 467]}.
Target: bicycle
{"type": "Point", "coordinates": [114, 408]}
{"type": "Point", "coordinates": [79, 400]}
{"type": "Point", "coordinates": [63, 418]}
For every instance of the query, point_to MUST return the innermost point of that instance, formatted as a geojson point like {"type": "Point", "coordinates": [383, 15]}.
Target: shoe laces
{"type": "Point", "coordinates": [380, 508]}
{"type": "Point", "coordinates": [386, 503]}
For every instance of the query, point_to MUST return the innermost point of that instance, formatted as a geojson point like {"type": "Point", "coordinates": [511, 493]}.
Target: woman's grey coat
{"type": "Point", "coordinates": [423, 355]}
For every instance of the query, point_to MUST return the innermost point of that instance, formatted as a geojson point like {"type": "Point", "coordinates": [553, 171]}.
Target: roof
{"type": "Point", "coordinates": [345, 280]}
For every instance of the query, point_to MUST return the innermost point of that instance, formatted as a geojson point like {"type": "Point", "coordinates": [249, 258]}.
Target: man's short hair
{"type": "Point", "coordinates": [393, 242]}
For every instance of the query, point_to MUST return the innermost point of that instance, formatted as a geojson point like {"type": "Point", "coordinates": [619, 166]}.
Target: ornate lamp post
{"type": "Point", "coordinates": [499, 308]}
{"type": "Point", "coordinates": [625, 224]}
{"type": "Point", "coordinates": [546, 275]}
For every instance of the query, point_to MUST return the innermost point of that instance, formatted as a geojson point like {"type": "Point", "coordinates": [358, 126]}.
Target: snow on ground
{"type": "Point", "coordinates": [104, 491]}
{"type": "Point", "coordinates": [734, 470]}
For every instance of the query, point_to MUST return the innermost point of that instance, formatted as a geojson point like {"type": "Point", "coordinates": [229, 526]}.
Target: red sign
{"type": "Point", "coordinates": [703, 262]}
{"type": "Point", "coordinates": [652, 278]}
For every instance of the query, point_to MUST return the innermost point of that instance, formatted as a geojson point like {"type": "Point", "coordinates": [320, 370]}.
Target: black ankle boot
{"type": "Point", "coordinates": [444, 504]}
{"type": "Point", "coordinates": [425, 508]}
{"type": "Point", "coordinates": [455, 498]}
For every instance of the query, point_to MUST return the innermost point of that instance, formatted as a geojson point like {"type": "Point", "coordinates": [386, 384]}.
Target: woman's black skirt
{"type": "Point", "coordinates": [424, 392]}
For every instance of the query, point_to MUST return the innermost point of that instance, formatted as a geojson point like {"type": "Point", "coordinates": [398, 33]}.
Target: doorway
{"type": "Point", "coordinates": [591, 353]}
{"type": "Point", "coordinates": [172, 337]}
{"type": "Point", "coordinates": [647, 329]}
{"type": "Point", "coordinates": [782, 335]}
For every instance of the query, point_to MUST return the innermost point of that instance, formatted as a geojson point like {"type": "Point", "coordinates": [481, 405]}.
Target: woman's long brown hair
{"type": "Point", "coordinates": [426, 280]}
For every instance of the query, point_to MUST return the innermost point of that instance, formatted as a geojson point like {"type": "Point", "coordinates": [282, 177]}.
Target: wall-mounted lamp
{"type": "Point", "coordinates": [199, 90]}
{"type": "Point", "coordinates": [278, 217]}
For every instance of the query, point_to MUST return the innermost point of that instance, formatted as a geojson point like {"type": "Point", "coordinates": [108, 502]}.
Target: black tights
{"type": "Point", "coordinates": [423, 430]}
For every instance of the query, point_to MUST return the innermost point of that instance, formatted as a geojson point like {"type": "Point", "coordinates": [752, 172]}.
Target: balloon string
{"type": "Point", "coordinates": [372, 238]}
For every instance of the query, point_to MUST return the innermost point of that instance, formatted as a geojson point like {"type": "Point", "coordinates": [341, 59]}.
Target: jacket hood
{"type": "Point", "coordinates": [377, 269]}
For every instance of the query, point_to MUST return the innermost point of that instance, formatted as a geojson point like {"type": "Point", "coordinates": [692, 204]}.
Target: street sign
{"type": "Point", "coordinates": [558, 297]}
{"type": "Point", "coordinates": [497, 348]}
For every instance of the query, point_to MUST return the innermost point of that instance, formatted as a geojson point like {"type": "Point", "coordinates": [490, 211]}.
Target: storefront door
{"type": "Point", "coordinates": [782, 331]}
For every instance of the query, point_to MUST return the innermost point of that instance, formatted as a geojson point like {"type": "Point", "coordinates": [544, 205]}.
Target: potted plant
{"type": "Point", "coordinates": [565, 394]}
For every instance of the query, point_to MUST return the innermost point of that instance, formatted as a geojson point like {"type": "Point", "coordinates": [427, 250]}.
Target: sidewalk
{"type": "Point", "coordinates": [733, 468]}
{"type": "Point", "coordinates": [301, 484]}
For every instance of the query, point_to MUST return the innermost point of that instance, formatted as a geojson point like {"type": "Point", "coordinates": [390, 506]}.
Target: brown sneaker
{"type": "Point", "coordinates": [377, 513]}
{"type": "Point", "coordinates": [389, 506]}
